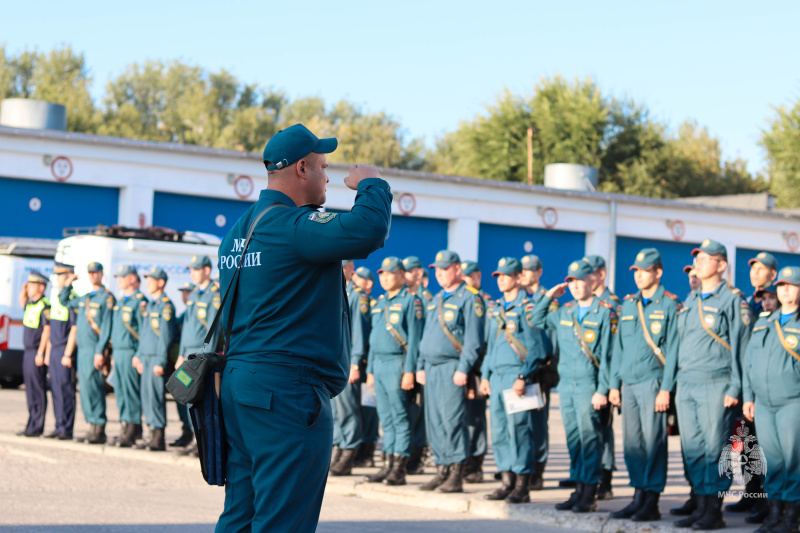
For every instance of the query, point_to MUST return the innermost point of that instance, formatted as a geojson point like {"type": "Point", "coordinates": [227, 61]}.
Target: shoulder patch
{"type": "Point", "coordinates": [614, 297]}
{"type": "Point", "coordinates": [568, 304]}
{"type": "Point", "coordinates": [167, 313]}
{"type": "Point", "coordinates": [363, 304]}
{"type": "Point", "coordinates": [629, 297]}
{"type": "Point", "coordinates": [670, 295]}
{"type": "Point", "coordinates": [46, 313]}
{"type": "Point", "coordinates": [164, 299]}
{"type": "Point", "coordinates": [140, 296]}
{"type": "Point", "coordinates": [607, 306]}
{"type": "Point", "coordinates": [473, 290]}
{"type": "Point", "coordinates": [554, 305]}
{"type": "Point", "coordinates": [418, 310]}
{"type": "Point", "coordinates": [480, 310]}
{"type": "Point", "coordinates": [214, 287]}
{"type": "Point", "coordinates": [322, 218]}
{"type": "Point", "coordinates": [764, 313]}
{"type": "Point", "coordinates": [735, 291]}
{"type": "Point", "coordinates": [110, 301]}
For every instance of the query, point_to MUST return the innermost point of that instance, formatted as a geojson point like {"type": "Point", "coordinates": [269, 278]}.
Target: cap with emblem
{"type": "Point", "coordinates": [688, 268]}
{"type": "Point", "coordinates": [188, 287]}
{"type": "Point", "coordinates": [124, 270]}
{"type": "Point", "coordinates": [531, 262]}
{"type": "Point", "coordinates": [157, 273]}
{"type": "Point", "coordinates": [766, 259]}
{"type": "Point", "coordinates": [63, 268]}
{"type": "Point", "coordinates": [94, 267]}
{"type": "Point", "coordinates": [508, 266]}
{"type": "Point", "coordinates": [391, 264]}
{"type": "Point", "coordinates": [444, 259]}
{"type": "Point", "coordinates": [595, 261]}
{"type": "Point", "coordinates": [200, 261]}
{"type": "Point", "coordinates": [790, 275]}
{"type": "Point", "coordinates": [579, 269]}
{"type": "Point", "coordinates": [771, 288]}
{"type": "Point", "coordinates": [364, 272]}
{"type": "Point", "coordinates": [412, 261]}
{"type": "Point", "coordinates": [647, 259]}
{"type": "Point", "coordinates": [470, 267]}
{"type": "Point", "coordinates": [711, 248]}
{"type": "Point", "coordinates": [293, 144]}
{"type": "Point", "coordinates": [37, 277]}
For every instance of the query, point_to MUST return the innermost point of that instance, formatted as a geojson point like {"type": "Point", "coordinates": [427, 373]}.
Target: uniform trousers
{"type": "Point", "coordinates": [445, 413]}
{"type": "Point", "coordinates": [512, 435]}
{"type": "Point", "coordinates": [583, 431]}
{"type": "Point", "coordinates": [644, 436]}
{"type": "Point", "coordinates": [154, 401]}
{"type": "Point", "coordinates": [92, 386]}
{"type": "Point", "coordinates": [62, 386]}
{"type": "Point", "coordinates": [393, 404]}
{"type": "Point", "coordinates": [778, 426]}
{"type": "Point", "coordinates": [35, 379]}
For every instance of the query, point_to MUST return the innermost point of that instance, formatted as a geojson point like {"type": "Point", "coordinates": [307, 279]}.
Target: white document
{"type": "Point", "coordinates": [367, 395]}
{"type": "Point", "coordinates": [533, 399]}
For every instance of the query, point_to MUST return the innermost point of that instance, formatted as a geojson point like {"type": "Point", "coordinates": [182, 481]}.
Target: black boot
{"type": "Point", "coordinates": [760, 511]}
{"type": "Point", "coordinates": [537, 479]}
{"type": "Point", "coordinates": [509, 479]}
{"type": "Point", "coordinates": [474, 472]}
{"type": "Point", "coordinates": [145, 441]}
{"type": "Point", "coordinates": [336, 454]}
{"type": "Point", "coordinates": [99, 435]}
{"type": "Point", "coordinates": [521, 492]}
{"type": "Point", "coordinates": [631, 508]}
{"type": "Point", "coordinates": [773, 518]}
{"type": "Point", "coordinates": [157, 442]}
{"type": "Point", "coordinates": [687, 508]}
{"type": "Point", "coordinates": [588, 501]}
{"type": "Point", "coordinates": [455, 479]}
{"type": "Point", "coordinates": [190, 450]}
{"type": "Point", "coordinates": [699, 511]}
{"type": "Point", "coordinates": [89, 434]}
{"type": "Point", "coordinates": [123, 429]}
{"type": "Point", "coordinates": [344, 467]}
{"type": "Point", "coordinates": [746, 503]}
{"type": "Point", "coordinates": [712, 518]}
{"type": "Point", "coordinates": [573, 499]}
{"type": "Point", "coordinates": [127, 439]}
{"type": "Point", "coordinates": [186, 438]}
{"type": "Point", "coordinates": [416, 463]}
{"type": "Point", "coordinates": [567, 483]}
{"type": "Point", "coordinates": [380, 475]}
{"type": "Point", "coordinates": [604, 492]}
{"type": "Point", "coordinates": [365, 458]}
{"type": "Point", "coordinates": [442, 471]}
{"type": "Point", "coordinates": [649, 512]}
{"type": "Point", "coordinates": [398, 474]}
{"type": "Point", "coordinates": [791, 514]}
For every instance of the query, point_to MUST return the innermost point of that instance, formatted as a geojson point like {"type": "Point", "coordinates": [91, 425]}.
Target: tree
{"type": "Point", "coordinates": [782, 143]}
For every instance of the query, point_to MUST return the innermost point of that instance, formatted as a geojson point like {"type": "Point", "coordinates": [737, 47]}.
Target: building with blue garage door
{"type": "Point", "coordinates": [743, 255]}
{"type": "Point", "coordinates": [183, 212]}
{"type": "Point", "coordinates": [675, 255]}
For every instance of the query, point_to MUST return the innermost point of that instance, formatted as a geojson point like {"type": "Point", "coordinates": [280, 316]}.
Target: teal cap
{"type": "Point", "coordinates": [531, 262]}
{"type": "Point", "coordinates": [711, 248]}
{"type": "Point", "coordinates": [444, 259]}
{"type": "Point", "coordinates": [188, 287]}
{"type": "Point", "coordinates": [293, 144]}
{"type": "Point", "coordinates": [124, 270]}
{"type": "Point", "coordinates": [94, 267]}
{"type": "Point", "coordinates": [595, 261]}
{"type": "Point", "coordinates": [579, 269]}
{"type": "Point", "coordinates": [63, 268]}
{"type": "Point", "coordinates": [35, 276]}
{"type": "Point", "coordinates": [470, 267]}
{"type": "Point", "coordinates": [647, 259]}
{"type": "Point", "coordinates": [773, 288]}
{"type": "Point", "coordinates": [766, 259]}
{"type": "Point", "coordinates": [412, 261]}
{"type": "Point", "coordinates": [364, 272]}
{"type": "Point", "coordinates": [391, 264]}
{"type": "Point", "coordinates": [200, 261]}
{"type": "Point", "coordinates": [688, 268]}
{"type": "Point", "coordinates": [508, 266]}
{"type": "Point", "coordinates": [790, 275]}
{"type": "Point", "coordinates": [157, 273]}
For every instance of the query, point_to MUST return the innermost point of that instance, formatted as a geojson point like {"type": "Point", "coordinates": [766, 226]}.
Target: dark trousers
{"type": "Point", "coordinates": [35, 379]}
{"type": "Point", "coordinates": [62, 386]}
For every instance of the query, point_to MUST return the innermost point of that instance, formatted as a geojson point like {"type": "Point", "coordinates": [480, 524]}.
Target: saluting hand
{"type": "Point", "coordinates": [408, 381]}
{"type": "Point", "coordinates": [360, 172]}
{"type": "Point", "coordinates": [459, 379]}
{"type": "Point", "coordinates": [70, 278]}
{"type": "Point", "coordinates": [749, 409]}
{"type": "Point", "coordinates": [599, 401]}
{"type": "Point", "coordinates": [557, 291]}
{"type": "Point", "coordinates": [614, 398]}
{"type": "Point", "coordinates": [662, 401]}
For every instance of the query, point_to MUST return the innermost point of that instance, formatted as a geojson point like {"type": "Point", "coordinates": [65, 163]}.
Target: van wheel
{"type": "Point", "coordinates": [7, 382]}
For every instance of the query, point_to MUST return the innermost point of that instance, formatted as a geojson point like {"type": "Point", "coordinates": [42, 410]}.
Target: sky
{"type": "Point", "coordinates": [431, 64]}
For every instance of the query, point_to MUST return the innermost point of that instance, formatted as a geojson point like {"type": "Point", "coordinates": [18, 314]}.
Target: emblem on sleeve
{"type": "Point", "coordinates": [479, 309]}
{"type": "Point", "coordinates": [322, 218]}
{"type": "Point", "coordinates": [746, 318]}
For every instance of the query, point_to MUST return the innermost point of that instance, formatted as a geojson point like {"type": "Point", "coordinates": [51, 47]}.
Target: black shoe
{"type": "Point", "coordinates": [509, 480]}
{"type": "Point", "coordinates": [26, 433]}
{"type": "Point", "coordinates": [631, 508]}
{"type": "Point", "coordinates": [604, 491]}
{"type": "Point", "coordinates": [687, 508]}
{"type": "Point", "coordinates": [398, 474]}
{"type": "Point", "coordinates": [128, 439]}
{"type": "Point", "coordinates": [573, 498]}
{"type": "Point", "coordinates": [712, 519]}
{"type": "Point", "coordinates": [760, 512]}
{"type": "Point", "coordinates": [99, 435]}
{"type": "Point", "coordinates": [336, 454]}
{"type": "Point", "coordinates": [157, 442]}
{"type": "Point", "coordinates": [186, 438]}
{"type": "Point", "coordinates": [747, 502]}
{"type": "Point", "coordinates": [537, 479]}
{"type": "Point", "coordinates": [649, 512]}
{"type": "Point", "coordinates": [64, 436]}
{"type": "Point", "coordinates": [442, 472]}
{"type": "Point", "coordinates": [455, 479]}
{"type": "Point", "coordinates": [473, 473]}
{"type": "Point", "coordinates": [521, 493]}
{"type": "Point", "coordinates": [588, 501]}
{"type": "Point", "coordinates": [774, 517]}
{"type": "Point", "coordinates": [380, 475]}
{"type": "Point", "coordinates": [114, 440]}
{"type": "Point", "coordinates": [52, 435]}
{"type": "Point", "coordinates": [567, 484]}
{"type": "Point", "coordinates": [791, 514]}
{"type": "Point", "coordinates": [344, 466]}
{"type": "Point", "coordinates": [89, 434]}
{"type": "Point", "coordinates": [498, 476]}
{"type": "Point", "coordinates": [699, 510]}
{"type": "Point", "coordinates": [189, 451]}
{"type": "Point", "coordinates": [365, 458]}
{"type": "Point", "coordinates": [416, 463]}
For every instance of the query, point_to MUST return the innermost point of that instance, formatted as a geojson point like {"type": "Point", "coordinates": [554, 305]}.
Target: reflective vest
{"type": "Point", "coordinates": [57, 311]}
{"type": "Point", "coordinates": [33, 313]}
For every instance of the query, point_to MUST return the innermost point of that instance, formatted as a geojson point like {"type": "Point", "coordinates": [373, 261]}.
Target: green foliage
{"type": "Point", "coordinates": [782, 143]}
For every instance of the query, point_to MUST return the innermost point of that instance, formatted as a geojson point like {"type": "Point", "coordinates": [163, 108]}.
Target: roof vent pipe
{"type": "Point", "coordinates": [33, 114]}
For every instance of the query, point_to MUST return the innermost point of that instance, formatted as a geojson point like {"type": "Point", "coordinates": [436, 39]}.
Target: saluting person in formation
{"type": "Point", "coordinates": [62, 357]}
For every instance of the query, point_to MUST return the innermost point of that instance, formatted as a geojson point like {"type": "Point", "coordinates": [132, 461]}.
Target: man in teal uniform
{"type": "Point", "coordinates": [289, 351]}
{"type": "Point", "coordinates": [583, 338]}
{"type": "Point", "coordinates": [36, 332]}
{"type": "Point", "coordinates": [476, 402]}
{"type": "Point", "coordinates": [451, 344]}
{"type": "Point", "coordinates": [714, 328]}
{"type": "Point", "coordinates": [645, 359]}
{"type": "Point", "coordinates": [94, 310]}
{"type": "Point", "coordinates": [62, 357]}
{"type": "Point", "coordinates": [393, 351]}
{"type": "Point", "coordinates": [156, 336]}
{"type": "Point", "coordinates": [125, 324]}
{"type": "Point", "coordinates": [763, 271]}
{"type": "Point", "coordinates": [514, 355]}
{"type": "Point", "coordinates": [364, 279]}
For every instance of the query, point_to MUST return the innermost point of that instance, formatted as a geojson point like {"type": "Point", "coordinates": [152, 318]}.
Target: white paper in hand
{"type": "Point", "coordinates": [367, 395]}
{"type": "Point", "coordinates": [533, 399]}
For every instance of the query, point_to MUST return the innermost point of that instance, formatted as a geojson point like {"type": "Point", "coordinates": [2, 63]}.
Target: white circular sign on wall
{"type": "Point", "coordinates": [792, 241]}
{"type": "Point", "coordinates": [61, 168]}
{"type": "Point", "coordinates": [678, 229]}
{"type": "Point", "coordinates": [35, 204]}
{"type": "Point", "coordinates": [407, 203]}
{"type": "Point", "coordinates": [220, 221]}
{"type": "Point", "coordinates": [243, 186]}
{"type": "Point", "coordinates": [549, 218]}
{"type": "Point", "coordinates": [528, 247]}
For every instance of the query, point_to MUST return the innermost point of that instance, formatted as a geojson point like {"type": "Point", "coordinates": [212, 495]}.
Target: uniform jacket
{"type": "Point", "coordinates": [201, 307]}
{"type": "Point", "coordinates": [97, 305]}
{"type": "Point", "coordinates": [405, 313]}
{"type": "Point", "coordinates": [158, 330]}
{"type": "Point", "coordinates": [501, 358]}
{"type": "Point", "coordinates": [128, 313]}
{"type": "Point", "coordinates": [771, 373]}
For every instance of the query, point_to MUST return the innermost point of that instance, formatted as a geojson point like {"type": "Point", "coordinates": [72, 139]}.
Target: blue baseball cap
{"type": "Point", "coordinates": [199, 262]}
{"type": "Point", "coordinates": [790, 275]}
{"type": "Point", "coordinates": [293, 144]}
{"type": "Point", "coordinates": [444, 259]}
{"type": "Point", "coordinates": [647, 259]}
{"type": "Point", "coordinates": [766, 259]}
{"type": "Point", "coordinates": [508, 266]}
{"type": "Point", "coordinates": [95, 267]}
{"type": "Point", "coordinates": [711, 248]}
{"type": "Point", "coordinates": [391, 264]}
{"type": "Point", "coordinates": [579, 269]}
{"type": "Point", "coordinates": [157, 273]}
{"type": "Point", "coordinates": [470, 267]}
{"type": "Point", "coordinates": [531, 262]}
{"type": "Point", "coordinates": [124, 270]}
{"type": "Point", "coordinates": [188, 286]}
{"type": "Point", "coordinates": [364, 272]}
{"type": "Point", "coordinates": [595, 261]}
{"type": "Point", "coordinates": [412, 261]}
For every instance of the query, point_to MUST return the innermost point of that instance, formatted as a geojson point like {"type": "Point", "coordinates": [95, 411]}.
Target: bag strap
{"type": "Point", "coordinates": [703, 323]}
{"type": "Point", "coordinates": [92, 323]}
{"type": "Point", "coordinates": [512, 341]}
{"type": "Point", "coordinates": [396, 335]}
{"type": "Point", "coordinates": [584, 347]}
{"type": "Point", "coordinates": [647, 338]}
{"type": "Point", "coordinates": [783, 342]}
{"type": "Point", "coordinates": [449, 334]}
{"type": "Point", "coordinates": [234, 283]}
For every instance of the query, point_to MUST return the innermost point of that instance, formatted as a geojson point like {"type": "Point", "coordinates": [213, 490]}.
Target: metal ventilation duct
{"type": "Point", "coordinates": [571, 177]}
{"type": "Point", "coordinates": [33, 114]}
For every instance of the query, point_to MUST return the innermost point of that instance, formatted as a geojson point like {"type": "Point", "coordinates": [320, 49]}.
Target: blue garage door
{"type": "Point", "coordinates": [197, 213]}
{"type": "Point", "coordinates": [675, 255]}
{"type": "Point", "coordinates": [42, 209]}
{"type": "Point", "coordinates": [743, 255]}
{"type": "Point", "coordinates": [556, 249]}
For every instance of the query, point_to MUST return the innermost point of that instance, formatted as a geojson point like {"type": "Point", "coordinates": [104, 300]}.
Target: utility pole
{"type": "Point", "coordinates": [530, 155]}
